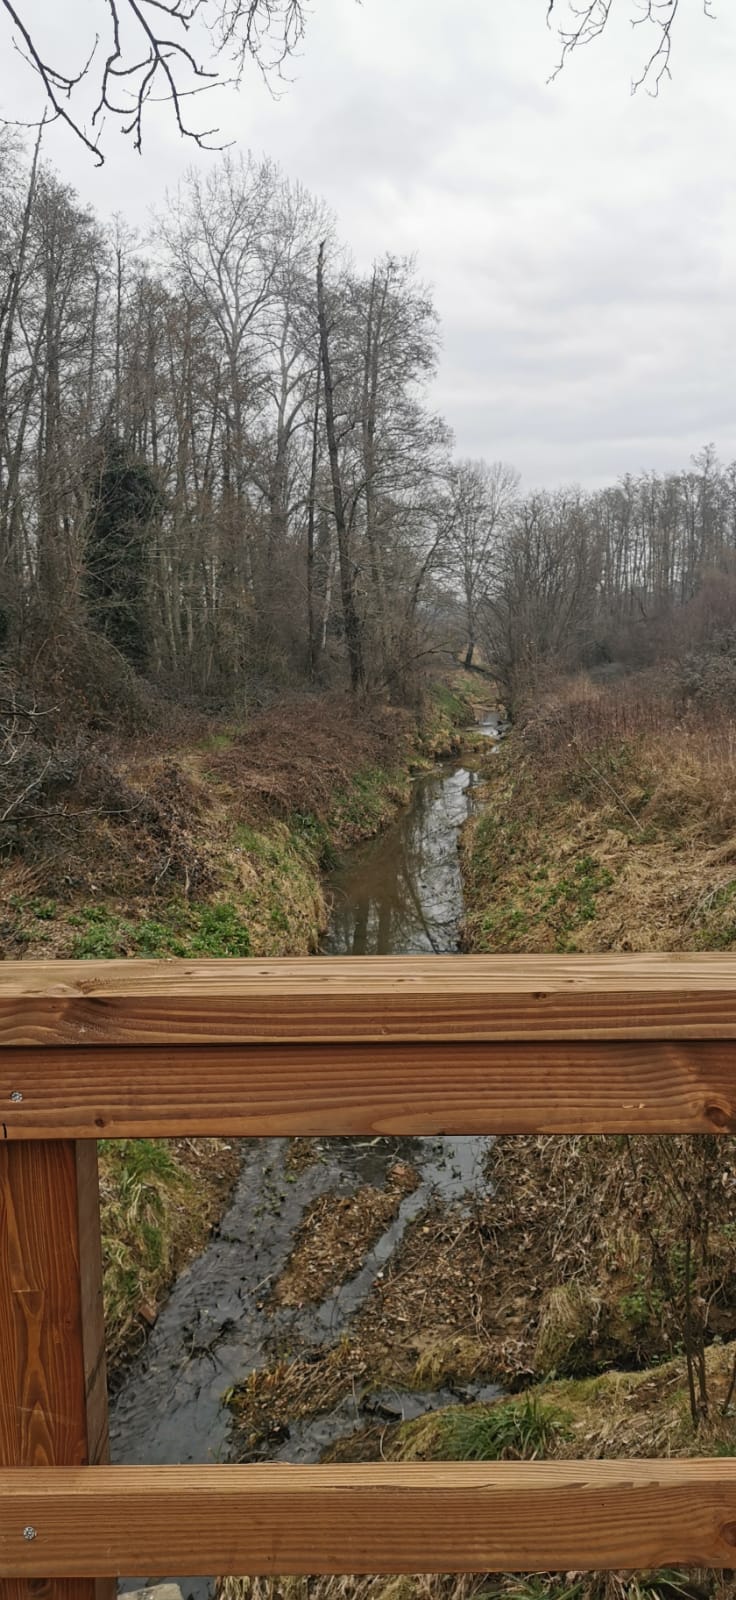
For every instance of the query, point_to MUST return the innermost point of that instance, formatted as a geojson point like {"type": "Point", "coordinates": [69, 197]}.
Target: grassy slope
{"type": "Point", "coordinates": [217, 847]}
{"type": "Point", "coordinates": [610, 824]}
{"type": "Point", "coordinates": [606, 827]}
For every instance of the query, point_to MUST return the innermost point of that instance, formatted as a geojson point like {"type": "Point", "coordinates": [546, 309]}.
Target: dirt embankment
{"type": "Point", "coordinates": [209, 846]}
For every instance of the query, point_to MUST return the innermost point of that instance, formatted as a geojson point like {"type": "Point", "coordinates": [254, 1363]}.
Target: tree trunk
{"type": "Point", "coordinates": [376, 307]}
{"type": "Point", "coordinates": [351, 619]}
{"type": "Point", "coordinates": [311, 632]}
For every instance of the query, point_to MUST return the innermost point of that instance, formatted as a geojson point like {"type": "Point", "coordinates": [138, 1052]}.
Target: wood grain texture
{"type": "Point", "coordinates": [373, 998]}
{"type": "Point", "coordinates": [608, 1087]}
{"type": "Point", "coordinates": [500, 1516]}
{"type": "Point", "coordinates": [53, 1396]}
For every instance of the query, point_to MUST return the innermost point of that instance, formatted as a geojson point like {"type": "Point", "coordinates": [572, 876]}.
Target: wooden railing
{"type": "Point", "coordinates": [640, 1044]}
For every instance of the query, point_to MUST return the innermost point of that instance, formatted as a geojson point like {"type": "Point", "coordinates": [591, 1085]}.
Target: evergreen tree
{"type": "Point", "coordinates": [125, 504]}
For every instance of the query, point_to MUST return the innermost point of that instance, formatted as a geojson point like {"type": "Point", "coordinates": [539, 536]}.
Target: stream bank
{"type": "Point", "coordinates": [300, 1371]}
{"type": "Point", "coordinates": [213, 847]}
{"type": "Point", "coordinates": [607, 823]}
{"type": "Point", "coordinates": [374, 1298]}
{"type": "Point", "coordinates": [569, 1278]}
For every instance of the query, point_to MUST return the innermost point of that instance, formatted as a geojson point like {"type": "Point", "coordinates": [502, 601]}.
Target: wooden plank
{"type": "Point", "coordinates": [373, 998]}
{"type": "Point", "coordinates": [498, 1516]}
{"type": "Point", "coordinates": [53, 1393]}
{"type": "Point", "coordinates": [608, 1087]}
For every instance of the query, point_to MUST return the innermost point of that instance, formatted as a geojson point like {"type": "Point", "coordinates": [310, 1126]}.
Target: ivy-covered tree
{"type": "Point", "coordinates": [125, 506]}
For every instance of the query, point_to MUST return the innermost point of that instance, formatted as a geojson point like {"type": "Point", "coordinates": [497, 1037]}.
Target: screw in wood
{"type": "Point", "coordinates": [29, 1533]}
{"type": "Point", "coordinates": [16, 1097]}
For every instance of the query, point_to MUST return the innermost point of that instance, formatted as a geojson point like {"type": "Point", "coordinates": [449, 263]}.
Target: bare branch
{"type": "Point", "coordinates": [150, 51]}
{"type": "Point", "coordinates": [589, 21]}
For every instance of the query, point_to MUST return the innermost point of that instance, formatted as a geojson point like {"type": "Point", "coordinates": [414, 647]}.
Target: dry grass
{"type": "Point", "coordinates": [614, 1415]}
{"type": "Point", "coordinates": [335, 1235]}
{"type": "Point", "coordinates": [610, 825]}
{"type": "Point", "coordinates": [136, 837]}
{"type": "Point", "coordinates": [303, 754]}
{"type": "Point", "coordinates": [660, 1585]}
{"type": "Point", "coordinates": [158, 1200]}
{"type": "Point", "coordinates": [551, 1273]}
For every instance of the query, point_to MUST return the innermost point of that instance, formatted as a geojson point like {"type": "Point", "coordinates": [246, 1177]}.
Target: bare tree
{"type": "Point", "coordinates": [351, 617]}
{"type": "Point", "coordinates": [540, 601]}
{"type": "Point", "coordinates": [480, 495]}
{"type": "Point", "coordinates": [147, 51]}
{"type": "Point", "coordinates": [151, 50]}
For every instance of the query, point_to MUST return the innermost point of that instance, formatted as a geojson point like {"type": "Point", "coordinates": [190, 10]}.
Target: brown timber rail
{"type": "Point", "coordinates": [640, 1044]}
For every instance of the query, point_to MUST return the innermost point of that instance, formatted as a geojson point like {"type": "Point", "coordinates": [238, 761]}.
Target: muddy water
{"type": "Point", "coordinates": [401, 894]}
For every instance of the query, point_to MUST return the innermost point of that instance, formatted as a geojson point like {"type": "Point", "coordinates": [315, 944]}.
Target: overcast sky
{"type": "Point", "coordinates": [580, 243]}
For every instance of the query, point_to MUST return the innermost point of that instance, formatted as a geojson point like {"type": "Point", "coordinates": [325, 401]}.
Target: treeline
{"type": "Point", "coordinates": [219, 470]}
{"type": "Point", "coordinates": [215, 451]}
{"type": "Point", "coordinates": [633, 574]}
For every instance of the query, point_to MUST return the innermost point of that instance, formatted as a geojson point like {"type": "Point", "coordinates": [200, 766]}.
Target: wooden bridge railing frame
{"type": "Point", "coordinates": [344, 1046]}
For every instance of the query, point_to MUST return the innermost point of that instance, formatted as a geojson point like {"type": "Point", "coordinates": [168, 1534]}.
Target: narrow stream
{"type": "Point", "coordinates": [400, 894]}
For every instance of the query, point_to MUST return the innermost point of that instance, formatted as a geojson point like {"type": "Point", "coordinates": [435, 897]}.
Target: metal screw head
{"type": "Point", "coordinates": [29, 1533]}
{"type": "Point", "coordinates": [16, 1097]}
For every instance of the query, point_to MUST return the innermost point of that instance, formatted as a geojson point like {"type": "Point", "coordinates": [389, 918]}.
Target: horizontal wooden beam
{"type": "Point", "coordinates": [372, 998]}
{"type": "Point", "coordinates": [500, 1516]}
{"type": "Point", "coordinates": [607, 1087]}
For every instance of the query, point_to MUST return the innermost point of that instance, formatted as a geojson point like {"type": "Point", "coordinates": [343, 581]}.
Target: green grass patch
{"type": "Point", "coordinates": [543, 898]}
{"type": "Point", "coordinates": [184, 929]}
{"type": "Point", "coordinates": [450, 707]}
{"type": "Point", "coordinates": [717, 930]}
{"type": "Point", "coordinates": [218, 741]}
{"type": "Point", "coordinates": [369, 804]}
{"type": "Point", "coordinates": [514, 1430]}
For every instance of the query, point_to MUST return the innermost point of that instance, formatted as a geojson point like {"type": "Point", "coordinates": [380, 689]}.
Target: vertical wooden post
{"type": "Point", "coordinates": [53, 1386]}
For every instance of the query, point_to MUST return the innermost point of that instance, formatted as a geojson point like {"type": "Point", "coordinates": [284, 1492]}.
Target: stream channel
{"type": "Point", "coordinates": [400, 894]}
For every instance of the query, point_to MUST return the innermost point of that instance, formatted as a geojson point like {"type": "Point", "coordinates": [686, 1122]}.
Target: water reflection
{"type": "Point", "coordinates": [402, 892]}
